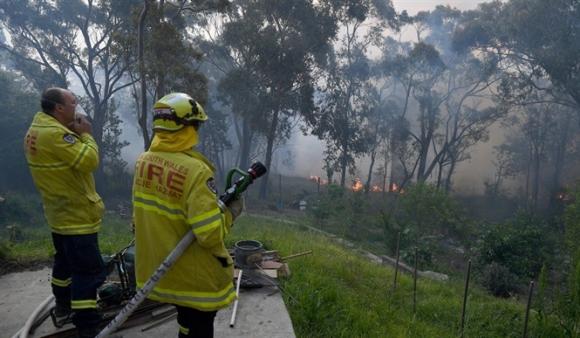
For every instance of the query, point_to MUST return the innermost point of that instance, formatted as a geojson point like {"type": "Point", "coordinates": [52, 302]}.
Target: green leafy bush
{"type": "Point", "coordinates": [430, 211]}
{"type": "Point", "coordinates": [513, 252]}
{"type": "Point", "coordinates": [19, 208]}
{"type": "Point", "coordinates": [499, 280]}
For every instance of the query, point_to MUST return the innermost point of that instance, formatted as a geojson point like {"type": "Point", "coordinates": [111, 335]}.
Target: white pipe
{"type": "Point", "coordinates": [233, 319]}
{"type": "Point", "coordinates": [23, 332]}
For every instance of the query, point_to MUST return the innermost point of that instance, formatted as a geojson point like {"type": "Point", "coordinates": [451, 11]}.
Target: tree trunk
{"type": "Point", "coordinates": [385, 173]}
{"type": "Point", "coordinates": [560, 159]}
{"type": "Point", "coordinates": [450, 174]}
{"type": "Point", "coordinates": [528, 169]}
{"type": "Point", "coordinates": [427, 129]}
{"type": "Point", "coordinates": [407, 95]}
{"type": "Point", "coordinates": [343, 165]}
{"type": "Point", "coordinates": [370, 175]}
{"type": "Point", "coordinates": [439, 173]}
{"type": "Point", "coordinates": [270, 138]}
{"type": "Point", "coordinates": [245, 145]}
{"type": "Point", "coordinates": [329, 173]}
{"type": "Point", "coordinates": [99, 117]}
{"type": "Point", "coordinates": [536, 182]}
{"type": "Point", "coordinates": [144, 108]}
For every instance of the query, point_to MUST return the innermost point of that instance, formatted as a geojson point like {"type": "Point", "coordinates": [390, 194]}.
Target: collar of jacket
{"type": "Point", "coordinates": [174, 142]}
{"type": "Point", "coordinates": [42, 119]}
{"type": "Point", "coordinates": [181, 141]}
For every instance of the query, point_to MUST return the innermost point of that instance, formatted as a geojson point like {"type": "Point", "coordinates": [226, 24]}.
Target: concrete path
{"type": "Point", "coordinates": [20, 294]}
{"type": "Point", "coordinates": [261, 312]}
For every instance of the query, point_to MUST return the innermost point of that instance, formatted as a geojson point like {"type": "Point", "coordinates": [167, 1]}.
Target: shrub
{"type": "Point", "coordinates": [430, 211]}
{"type": "Point", "coordinates": [521, 245]}
{"type": "Point", "coordinates": [499, 280]}
{"type": "Point", "coordinates": [21, 208]}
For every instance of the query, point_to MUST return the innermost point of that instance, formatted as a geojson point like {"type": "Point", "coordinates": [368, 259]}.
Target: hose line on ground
{"type": "Point", "coordinates": [23, 332]}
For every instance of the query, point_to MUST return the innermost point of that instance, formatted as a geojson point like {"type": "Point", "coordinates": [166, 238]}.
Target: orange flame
{"type": "Point", "coordinates": [394, 187]}
{"type": "Point", "coordinates": [376, 188]}
{"type": "Point", "coordinates": [357, 185]}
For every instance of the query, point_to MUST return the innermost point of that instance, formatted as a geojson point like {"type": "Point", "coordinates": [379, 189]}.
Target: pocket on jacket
{"type": "Point", "coordinates": [223, 261]}
{"type": "Point", "coordinates": [96, 206]}
{"type": "Point", "coordinates": [223, 257]}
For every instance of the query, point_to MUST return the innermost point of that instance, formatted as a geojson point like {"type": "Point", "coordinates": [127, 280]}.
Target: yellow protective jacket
{"type": "Point", "coordinates": [61, 163]}
{"type": "Point", "coordinates": [173, 193]}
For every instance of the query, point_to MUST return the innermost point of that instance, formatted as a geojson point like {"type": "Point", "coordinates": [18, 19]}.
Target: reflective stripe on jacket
{"type": "Point", "coordinates": [61, 163]}
{"type": "Point", "coordinates": [173, 193]}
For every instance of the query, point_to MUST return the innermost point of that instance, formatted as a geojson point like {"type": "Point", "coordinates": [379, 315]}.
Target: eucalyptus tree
{"type": "Point", "coordinates": [54, 40]}
{"type": "Point", "coordinates": [544, 142]}
{"type": "Point", "coordinates": [213, 141]}
{"type": "Point", "coordinates": [342, 114]}
{"type": "Point", "coordinates": [419, 72]}
{"type": "Point", "coordinates": [537, 47]}
{"type": "Point", "coordinates": [162, 51]}
{"type": "Point", "coordinates": [343, 102]}
{"type": "Point", "coordinates": [449, 93]}
{"type": "Point", "coordinates": [280, 41]}
{"type": "Point", "coordinates": [536, 40]}
{"type": "Point", "coordinates": [378, 129]}
{"type": "Point", "coordinates": [16, 111]}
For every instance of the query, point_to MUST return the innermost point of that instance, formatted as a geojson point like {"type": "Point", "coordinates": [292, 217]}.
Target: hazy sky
{"type": "Point", "coordinates": [414, 6]}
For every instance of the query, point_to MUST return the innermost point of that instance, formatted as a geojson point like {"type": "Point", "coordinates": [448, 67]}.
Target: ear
{"type": "Point", "coordinates": [58, 106]}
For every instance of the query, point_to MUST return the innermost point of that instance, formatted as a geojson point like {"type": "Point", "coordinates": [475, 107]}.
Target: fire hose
{"type": "Point", "coordinates": [23, 332]}
{"type": "Point", "coordinates": [233, 192]}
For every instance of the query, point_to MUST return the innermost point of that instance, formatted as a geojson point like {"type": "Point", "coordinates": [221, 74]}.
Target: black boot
{"type": "Point", "coordinates": [62, 310]}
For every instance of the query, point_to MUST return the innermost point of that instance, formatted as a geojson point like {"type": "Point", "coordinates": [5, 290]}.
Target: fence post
{"type": "Point", "coordinates": [530, 292]}
{"type": "Point", "coordinates": [465, 298]}
{"type": "Point", "coordinates": [397, 261]}
{"type": "Point", "coordinates": [415, 282]}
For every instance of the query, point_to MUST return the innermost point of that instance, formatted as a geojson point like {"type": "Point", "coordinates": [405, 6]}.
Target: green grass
{"type": "Point", "coordinates": [35, 243]}
{"type": "Point", "coordinates": [337, 293]}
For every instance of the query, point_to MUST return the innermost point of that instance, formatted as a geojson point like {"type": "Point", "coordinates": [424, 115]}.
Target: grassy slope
{"type": "Point", "coordinates": [336, 293]}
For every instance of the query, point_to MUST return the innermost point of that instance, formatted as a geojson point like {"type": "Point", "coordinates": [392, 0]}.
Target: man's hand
{"type": "Point", "coordinates": [236, 207]}
{"type": "Point", "coordinates": [81, 125]}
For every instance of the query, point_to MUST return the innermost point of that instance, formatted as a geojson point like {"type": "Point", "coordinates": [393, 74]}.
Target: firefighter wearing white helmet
{"type": "Point", "coordinates": [174, 192]}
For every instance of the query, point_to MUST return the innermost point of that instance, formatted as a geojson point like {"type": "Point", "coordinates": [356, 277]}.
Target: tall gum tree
{"type": "Point", "coordinates": [287, 38]}
{"type": "Point", "coordinates": [535, 40]}
{"type": "Point", "coordinates": [68, 38]}
{"type": "Point", "coordinates": [344, 102]}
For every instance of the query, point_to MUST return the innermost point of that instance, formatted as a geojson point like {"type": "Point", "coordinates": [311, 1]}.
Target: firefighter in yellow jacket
{"type": "Point", "coordinates": [173, 193]}
{"type": "Point", "coordinates": [61, 155]}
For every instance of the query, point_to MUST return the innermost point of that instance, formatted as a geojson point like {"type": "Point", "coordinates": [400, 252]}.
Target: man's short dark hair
{"type": "Point", "coordinates": [50, 98]}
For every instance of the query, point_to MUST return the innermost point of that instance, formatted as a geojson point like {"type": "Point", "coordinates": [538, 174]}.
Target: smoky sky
{"type": "Point", "coordinates": [414, 6]}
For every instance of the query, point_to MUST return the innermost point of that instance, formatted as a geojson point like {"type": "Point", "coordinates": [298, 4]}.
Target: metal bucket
{"type": "Point", "coordinates": [247, 253]}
